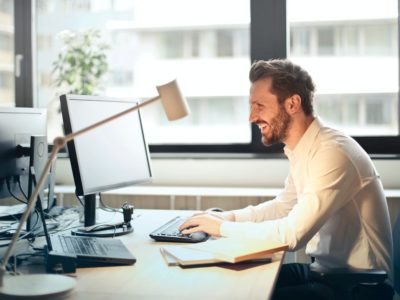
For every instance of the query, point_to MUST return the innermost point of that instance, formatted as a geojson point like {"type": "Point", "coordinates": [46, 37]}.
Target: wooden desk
{"type": "Point", "coordinates": [151, 278]}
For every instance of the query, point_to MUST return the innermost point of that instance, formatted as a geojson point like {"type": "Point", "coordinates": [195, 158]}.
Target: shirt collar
{"type": "Point", "coordinates": [305, 142]}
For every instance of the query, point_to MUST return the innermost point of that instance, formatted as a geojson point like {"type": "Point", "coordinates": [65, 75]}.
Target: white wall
{"type": "Point", "coordinates": [229, 172]}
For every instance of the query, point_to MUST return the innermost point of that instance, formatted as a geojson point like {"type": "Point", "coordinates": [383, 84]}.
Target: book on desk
{"type": "Point", "coordinates": [222, 250]}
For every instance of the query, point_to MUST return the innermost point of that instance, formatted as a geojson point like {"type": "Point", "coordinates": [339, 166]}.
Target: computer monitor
{"type": "Point", "coordinates": [112, 156]}
{"type": "Point", "coordinates": [17, 126]}
{"type": "Point", "coordinates": [22, 144]}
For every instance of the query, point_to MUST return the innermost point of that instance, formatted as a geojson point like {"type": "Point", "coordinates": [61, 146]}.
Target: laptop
{"type": "Point", "coordinates": [68, 252]}
{"type": "Point", "coordinates": [84, 251]}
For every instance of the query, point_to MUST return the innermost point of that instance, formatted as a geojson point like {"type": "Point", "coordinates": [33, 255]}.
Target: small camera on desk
{"type": "Point", "coordinates": [127, 211]}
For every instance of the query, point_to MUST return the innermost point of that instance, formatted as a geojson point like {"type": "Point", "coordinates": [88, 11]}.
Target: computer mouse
{"type": "Point", "coordinates": [199, 236]}
{"type": "Point", "coordinates": [216, 209]}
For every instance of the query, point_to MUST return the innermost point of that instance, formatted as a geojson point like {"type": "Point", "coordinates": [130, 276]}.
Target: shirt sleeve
{"type": "Point", "coordinates": [270, 210]}
{"type": "Point", "coordinates": [330, 179]}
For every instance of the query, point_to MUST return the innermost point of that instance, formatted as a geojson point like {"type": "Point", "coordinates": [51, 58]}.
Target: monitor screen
{"type": "Point", "coordinates": [17, 126]}
{"type": "Point", "coordinates": [111, 156]}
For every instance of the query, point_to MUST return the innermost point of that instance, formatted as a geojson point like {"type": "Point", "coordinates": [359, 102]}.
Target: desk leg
{"type": "Point", "coordinates": [172, 202]}
{"type": "Point", "coordinates": [60, 199]}
{"type": "Point", "coordinates": [198, 202]}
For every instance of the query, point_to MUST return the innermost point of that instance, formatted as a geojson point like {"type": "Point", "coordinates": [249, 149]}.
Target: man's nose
{"type": "Point", "coordinates": [252, 116]}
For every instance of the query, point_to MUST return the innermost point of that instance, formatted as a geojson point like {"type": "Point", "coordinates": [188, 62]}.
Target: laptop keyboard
{"type": "Point", "coordinates": [81, 245]}
{"type": "Point", "coordinates": [169, 232]}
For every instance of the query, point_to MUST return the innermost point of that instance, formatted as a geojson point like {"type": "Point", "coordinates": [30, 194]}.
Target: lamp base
{"type": "Point", "coordinates": [36, 286]}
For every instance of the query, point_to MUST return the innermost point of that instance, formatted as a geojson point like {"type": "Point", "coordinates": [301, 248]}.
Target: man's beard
{"type": "Point", "coordinates": [278, 128]}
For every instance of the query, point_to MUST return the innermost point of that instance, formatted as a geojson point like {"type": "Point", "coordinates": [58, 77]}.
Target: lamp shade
{"type": "Point", "coordinates": [175, 105]}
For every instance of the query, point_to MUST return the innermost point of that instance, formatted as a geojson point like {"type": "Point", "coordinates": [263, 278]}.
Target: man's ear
{"type": "Point", "coordinates": [293, 104]}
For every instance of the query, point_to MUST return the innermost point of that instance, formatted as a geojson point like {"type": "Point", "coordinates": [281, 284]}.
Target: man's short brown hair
{"type": "Point", "coordinates": [287, 79]}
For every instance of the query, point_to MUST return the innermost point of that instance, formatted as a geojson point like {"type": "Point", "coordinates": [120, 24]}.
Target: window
{"type": "Point", "coordinates": [378, 39]}
{"type": "Point", "coordinates": [121, 78]}
{"type": "Point", "coordinates": [205, 48]}
{"type": "Point", "coordinates": [171, 44]}
{"type": "Point", "coordinates": [7, 97]}
{"type": "Point", "coordinates": [301, 40]}
{"type": "Point", "coordinates": [224, 43]}
{"type": "Point", "coordinates": [355, 65]}
{"type": "Point", "coordinates": [325, 41]}
{"type": "Point", "coordinates": [352, 55]}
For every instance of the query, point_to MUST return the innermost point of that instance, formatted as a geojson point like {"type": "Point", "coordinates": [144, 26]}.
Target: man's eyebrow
{"type": "Point", "coordinates": [255, 102]}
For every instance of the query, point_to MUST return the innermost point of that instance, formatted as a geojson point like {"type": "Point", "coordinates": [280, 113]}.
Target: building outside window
{"type": "Point", "coordinates": [205, 48]}
{"type": "Point", "coordinates": [7, 97]}
{"type": "Point", "coordinates": [353, 57]}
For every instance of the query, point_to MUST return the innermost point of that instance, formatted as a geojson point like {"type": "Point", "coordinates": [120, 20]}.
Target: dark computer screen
{"type": "Point", "coordinates": [111, 156]}
{"type": "Point", "coordinates": [17, 126]}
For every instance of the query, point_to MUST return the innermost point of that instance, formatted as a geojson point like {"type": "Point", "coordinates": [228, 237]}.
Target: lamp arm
{"type": "Point", "coordinates": [59, 142]}
{"type": "Point", "coordinates": [72, 135]}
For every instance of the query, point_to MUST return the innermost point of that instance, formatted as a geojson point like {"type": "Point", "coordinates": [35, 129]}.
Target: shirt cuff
{"type": "Point", "coordinates": [243, 215]}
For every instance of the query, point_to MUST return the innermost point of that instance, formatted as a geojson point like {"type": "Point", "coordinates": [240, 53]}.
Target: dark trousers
{"type": "Point", "coordinates": [294, 282]}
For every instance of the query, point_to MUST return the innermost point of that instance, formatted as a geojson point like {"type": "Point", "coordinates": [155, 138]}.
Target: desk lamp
{"type": "Point", "coordinates": [50, 285]}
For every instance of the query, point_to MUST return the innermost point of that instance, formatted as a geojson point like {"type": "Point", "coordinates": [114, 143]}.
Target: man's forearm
{"type": "Point", "coordinates": [229, 216]}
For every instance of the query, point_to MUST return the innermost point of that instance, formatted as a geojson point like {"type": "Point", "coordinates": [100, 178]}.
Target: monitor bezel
{"type": "Point", "coordinates": [71, 148]}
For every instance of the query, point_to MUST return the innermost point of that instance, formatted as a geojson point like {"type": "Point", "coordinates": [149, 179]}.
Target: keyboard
{"type": "Point", "coordinates": [79, 245]}
{"type": "Point", "coordinates": [169, 232]}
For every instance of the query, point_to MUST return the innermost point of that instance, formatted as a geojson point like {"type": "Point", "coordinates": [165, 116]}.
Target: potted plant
{"type": "Point", "coordinates": [78, 69]}
{"type": "Point", "coordinates": [81, 63]}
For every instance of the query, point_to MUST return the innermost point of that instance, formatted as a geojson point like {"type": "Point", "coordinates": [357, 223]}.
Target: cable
{"type": "Point", "coordinates": [20, 258]}
{"type": "Point", "coordinates": [20, 200]}
{"type": "Point", "coordinates": [11, 193]}
{"type": "Point", "coordinates": [33, 226]}
{"type": "Point", "coordinates": [106, 207]}
{"type": "Point", "coordinates": [54, 226]}
{"type": "Point", "coordinates": [19, 238]}
{"type": "Point", "coordinates": [79, 199]}
{"type": "Point", "coordinates": [21, 189]}
{"type": "Point", "coordinates": [67, 220]}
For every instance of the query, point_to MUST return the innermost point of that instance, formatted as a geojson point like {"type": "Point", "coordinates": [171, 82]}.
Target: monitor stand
{"type": "Point", "coordinates": [92, 229]}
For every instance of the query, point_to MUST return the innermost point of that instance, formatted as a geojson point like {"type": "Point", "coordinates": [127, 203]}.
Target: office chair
{"type": "Point", "coordinates": [351, 283]}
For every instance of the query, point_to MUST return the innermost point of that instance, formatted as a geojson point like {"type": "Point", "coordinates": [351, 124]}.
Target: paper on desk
{"type": "Point", "coordinates": [169, 260]}
{"type": "Point", "coordinates": [184, 256]}
{"type": "Point", "coordinates": [235, 250]}
{"type": "Point", "coordinates": [10, 210]}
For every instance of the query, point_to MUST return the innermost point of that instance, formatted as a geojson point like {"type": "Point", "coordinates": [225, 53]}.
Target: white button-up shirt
{"type": "Point", "coordinates": [333, 202]}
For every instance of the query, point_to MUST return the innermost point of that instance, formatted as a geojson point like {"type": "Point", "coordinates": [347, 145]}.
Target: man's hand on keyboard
{"type": "Point", "coordinates": [202, 222]}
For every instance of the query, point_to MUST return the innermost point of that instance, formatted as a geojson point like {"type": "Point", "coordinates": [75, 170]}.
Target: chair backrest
{"type": "Point", "coordinates": [396, 254]}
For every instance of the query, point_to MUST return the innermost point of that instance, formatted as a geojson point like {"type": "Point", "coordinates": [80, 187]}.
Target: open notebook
{"type": "Point", "coordinates": [234, 250]}
{"type": "Point", "coordinates": [229, 250]}
{"type": "Point", "coordinates": [185, 257]}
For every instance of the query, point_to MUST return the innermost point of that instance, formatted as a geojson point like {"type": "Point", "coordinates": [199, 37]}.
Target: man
{"type": "Point", "coordinates": [333, 201]}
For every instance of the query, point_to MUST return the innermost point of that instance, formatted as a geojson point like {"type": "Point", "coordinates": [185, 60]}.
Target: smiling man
{"type": "Point", "coordinates": [333, 201]}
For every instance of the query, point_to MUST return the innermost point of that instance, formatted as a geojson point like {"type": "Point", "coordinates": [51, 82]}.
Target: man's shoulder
{"type": "Point", "coordinates": [336, 146]}
{"type": "Point", "coordinates": [330, 137]}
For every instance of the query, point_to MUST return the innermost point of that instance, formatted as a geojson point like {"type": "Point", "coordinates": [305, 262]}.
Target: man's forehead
{"type": "Point", "coordinates": [258, 88]}
{"type": "Point", "coordinates": [263, 84]}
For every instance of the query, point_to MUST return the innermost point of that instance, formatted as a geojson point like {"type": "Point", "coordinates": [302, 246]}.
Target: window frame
{"type": "Point", "coordinates": [23, 45]}
{"type": "Point", "coordinates": [268, 39]}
